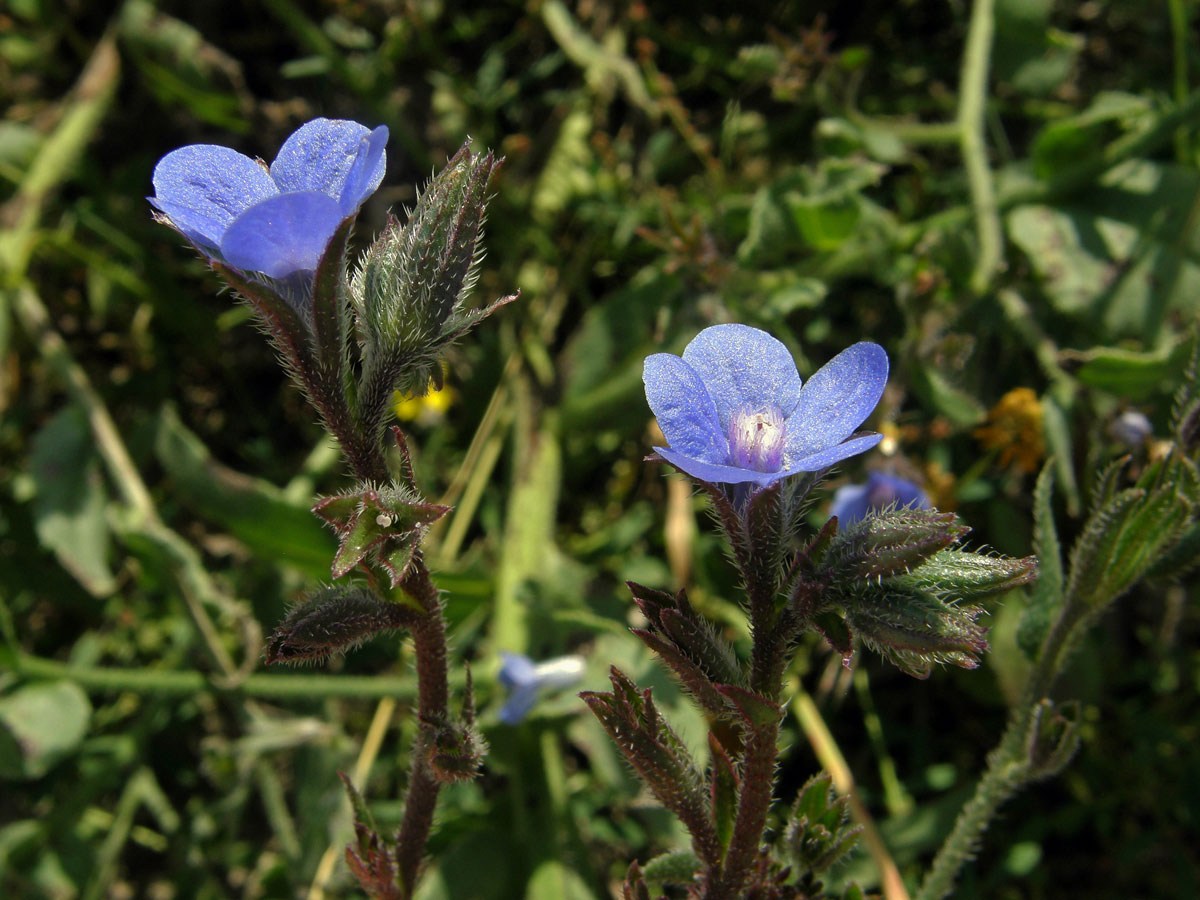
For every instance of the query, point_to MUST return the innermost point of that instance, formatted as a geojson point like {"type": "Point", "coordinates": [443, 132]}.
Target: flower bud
{"type": "Point", "coordinates": [819, 832]}
{"type": "Point", "coordinates": [332, 620]}
{"type": "Point", "coordinates": [409, 292]}
{"type": "Point", "coordinates": [914, 629]}
{"type": "Point", "coordinates": [891, 542]}
{"type": "Point", "coordinates": [456, 752]}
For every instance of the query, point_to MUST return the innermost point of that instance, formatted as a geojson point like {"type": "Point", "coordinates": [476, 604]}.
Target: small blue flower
{"type": "Point", "coordinates": [852, 502]}
{"type": "Point", "coordinates": [526, 679]}
{"type": "Point", "coordinates": [733, 409]}
{"type": "Point", "coordinates": [276, 220]}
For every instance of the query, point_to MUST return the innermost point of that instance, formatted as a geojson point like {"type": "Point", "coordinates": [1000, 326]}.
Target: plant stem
{"type": "Point", "coordinates": [1180, 39]}
{"type": "Point", "coordinates": [102, 679]}
{"type": "Point", "coordinates": [760, 751]}
{"type": "Point", "coordinates": [1009, 767]}
{"type": "Point", "coordinates": [971, 108]}
{"type": "Point", "coordinates": [420, 801]}
{"type": "Point", "coordinates": [1005, 775]}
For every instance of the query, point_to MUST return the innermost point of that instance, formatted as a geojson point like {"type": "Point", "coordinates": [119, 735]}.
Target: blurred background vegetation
{"type": "Point", "coordinates": [1020, 233]}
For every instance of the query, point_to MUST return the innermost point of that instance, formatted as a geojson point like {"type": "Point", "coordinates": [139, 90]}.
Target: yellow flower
{"type": "Point", "coordinates": [425, 409]}
{"type": "Point", "coordinates": [1014, 427]}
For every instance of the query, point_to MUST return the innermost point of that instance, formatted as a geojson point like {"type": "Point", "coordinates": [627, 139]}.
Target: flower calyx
{"type": "Point", "coordinates": [456, 751]}
{"type": "Point", "coordinates": [380, 526]}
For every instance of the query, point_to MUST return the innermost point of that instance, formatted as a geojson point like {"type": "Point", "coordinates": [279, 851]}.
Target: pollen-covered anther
{"type": "Point", "coordinates": [756, 438]}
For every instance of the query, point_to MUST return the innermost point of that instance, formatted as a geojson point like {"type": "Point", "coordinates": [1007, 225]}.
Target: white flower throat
{"type": "Point", "coordinates": [756, 438]}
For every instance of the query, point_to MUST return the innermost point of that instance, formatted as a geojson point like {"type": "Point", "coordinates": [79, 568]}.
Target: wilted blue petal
{"type": "Point", "coordinates": [684, 409]}
{"type": "Point", "coordinates": [204, 187]}
{"type": "Point", "coordinates": [282, 234]}
{"type": "Point", "coordinates": [366, 173]}
{"type": "Point", "coordinates": [823, 459]}
{"type": "Point", "coordinates": [743, 366]}
{"type": "Point", "coordinates": [320, 156]}
{"type": "Point", "coordinates": [715, 472]}
{"type": "Point", "coordinates": [835, 401]}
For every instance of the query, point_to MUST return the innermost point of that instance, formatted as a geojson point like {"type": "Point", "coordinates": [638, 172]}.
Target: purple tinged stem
{"type": "Point", "coordinates": [420, 801]}
{"type": "Point", "coordinates": [759, 755]}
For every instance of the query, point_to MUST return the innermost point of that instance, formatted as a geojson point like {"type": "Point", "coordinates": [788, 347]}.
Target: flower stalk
{"type": "Point", "coordinates": [279, 237]}
{"type": "Point", "coordinates": [755, 439]}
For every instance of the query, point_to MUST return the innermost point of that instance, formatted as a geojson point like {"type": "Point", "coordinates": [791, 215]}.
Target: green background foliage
{"type": "Point", "coordinates": [829, 172]}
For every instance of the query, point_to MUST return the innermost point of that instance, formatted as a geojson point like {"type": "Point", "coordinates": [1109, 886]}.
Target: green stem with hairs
{"type": "Point", "coordinates": [1009, 765]}
{"type": "Point", "coordinates": [972, 105]}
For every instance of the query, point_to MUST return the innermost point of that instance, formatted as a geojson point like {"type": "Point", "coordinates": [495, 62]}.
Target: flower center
{"type": "Point", "coordinates": [756, 438]}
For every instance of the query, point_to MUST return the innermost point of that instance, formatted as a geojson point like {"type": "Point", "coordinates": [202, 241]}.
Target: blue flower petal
{"type": "Point", "coordinates": [850, 504]}
{"type": "Point", "coordinates": [516, 670]}
{"type": "Point", "coordinates": [823, 459]}
{"type": "Point", "coordinates": [743, 366]}
{"type": "Point", "coordinates": [366, 173]}
{"type": "Point", "coordinates": [835, 401]}
{"type": "Point", "coordinates": [719, 473]}
{"type": "Point", "coordinates": [520, 702]}
{"type": "Point", "coordinates": [320, 156]}
{"type": "Point", "coordinates": [684, 409]}
{"type": "Point", "coordinates": [204, 187]}
{"type": "Point", "coordinates": [282, 234]}
{"type": "Point", "coordinates": [885, 490]}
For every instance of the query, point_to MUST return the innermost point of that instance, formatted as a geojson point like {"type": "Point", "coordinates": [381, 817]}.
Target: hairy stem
{"type": "Point", "coordinates": [971, 109]}
{"type": "Point", "coordinates": [149, 680]}
{"type": "Point", "coordinates": [759, 755]}
{"type": "Point", "coordinates": [754, 803]}
{"type": "Point", "coordinates": [1005, 775]}
{"type": "Point", "coordinates": [1009, 767]}
{"type": "Point", "coordinates": [420, 801]}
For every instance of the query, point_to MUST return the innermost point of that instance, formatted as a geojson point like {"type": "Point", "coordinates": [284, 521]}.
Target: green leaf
{"type": "Point", "coordinates": [250, 509]}
{"type": "Point", "coordinates": [1128, 373]}
{"type": "Point", "coordinates": [1057, 433]}
{"type": "Point", "coordinates": [724, 792]}
{"type": "Point", "coordinates": [819, 832]}
{"type": "Point", "coordinates": [555, 880]}
{"type": "Point", "coordinates": [1061, 144]}
{"type": "Point", "coordinates": [1047, 595]}
{"type": "Point", "coordinates": [69, 507]}
{"type": "Point", "coordinates": [1122, 540]}
{"type": "Point", "coordinates": [40, 725]}
{"type": "Point", "coordinates": [820, 206]}
{"type": "Point", "coordinates": [960, 407]}
{"type": "Point", "coordinates": [1123, 254]}
{"type": "Point", "coordinates": [676, 867]}
{"type": "Point", "coordinates": [1028, 54]}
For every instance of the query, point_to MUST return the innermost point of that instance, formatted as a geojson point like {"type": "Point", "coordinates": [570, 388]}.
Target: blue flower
{"type": "Point", "coordinates": [526, 679]}
{"type": "Point", "coordinates": [276, 221]}
{"type": "Point", "coordinates": [733, 409]}
{"type": "Point", "coordinates": [852, 502]}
